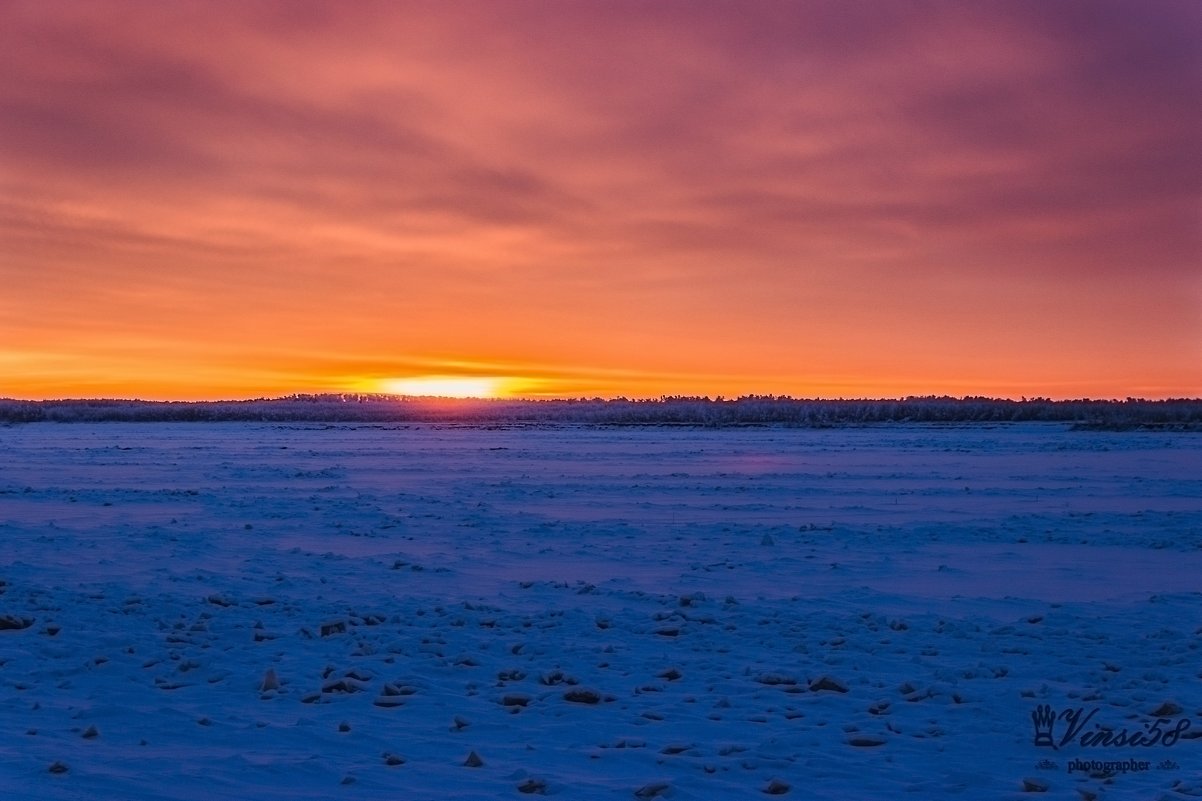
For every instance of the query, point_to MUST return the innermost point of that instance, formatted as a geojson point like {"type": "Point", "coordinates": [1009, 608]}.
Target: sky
{"type": "Point", "coordinates": [820, 199]}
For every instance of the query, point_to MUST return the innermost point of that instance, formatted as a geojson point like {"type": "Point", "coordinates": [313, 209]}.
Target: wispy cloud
{"type": "Point", "coordinates": [886, 197]}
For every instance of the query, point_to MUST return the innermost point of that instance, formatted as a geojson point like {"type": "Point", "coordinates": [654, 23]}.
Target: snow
{"type": "Point", "coordinates": [594, 613]}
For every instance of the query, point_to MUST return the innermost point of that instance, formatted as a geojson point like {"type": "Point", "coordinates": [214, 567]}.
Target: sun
{"type": "Point", "coordinates": [437, 386]}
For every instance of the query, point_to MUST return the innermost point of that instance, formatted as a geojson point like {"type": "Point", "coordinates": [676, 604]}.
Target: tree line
{"type": "Point", "coordinates": [751, 410]}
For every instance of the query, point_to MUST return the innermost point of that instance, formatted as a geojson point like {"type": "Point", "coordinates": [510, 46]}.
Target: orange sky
{"type": "Point", "coordinates": [237, 199]}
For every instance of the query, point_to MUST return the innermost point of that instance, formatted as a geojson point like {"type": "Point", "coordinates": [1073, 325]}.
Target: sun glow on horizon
{"type": "Point", "coordinates": [437, 386]}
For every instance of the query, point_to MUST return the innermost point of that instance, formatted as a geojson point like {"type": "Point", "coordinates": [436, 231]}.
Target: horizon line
{"type": "Point", "coordinates": [385, 396]}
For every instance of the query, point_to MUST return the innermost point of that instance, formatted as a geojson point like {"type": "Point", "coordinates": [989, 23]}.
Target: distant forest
{"type": "Point", "coordinates": [1133, 413]}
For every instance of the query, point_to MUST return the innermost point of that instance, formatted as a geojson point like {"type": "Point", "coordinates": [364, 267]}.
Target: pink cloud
{"type": "Point", "coordinates": [802, 173]}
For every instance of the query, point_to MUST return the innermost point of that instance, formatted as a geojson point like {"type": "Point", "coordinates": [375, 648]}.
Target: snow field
{"type": "Point", "coordinates": [255, 611]}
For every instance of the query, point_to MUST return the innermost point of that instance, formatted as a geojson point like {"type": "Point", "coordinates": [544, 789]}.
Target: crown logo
{"type": "Point", "coordinates": [1044, 718]}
